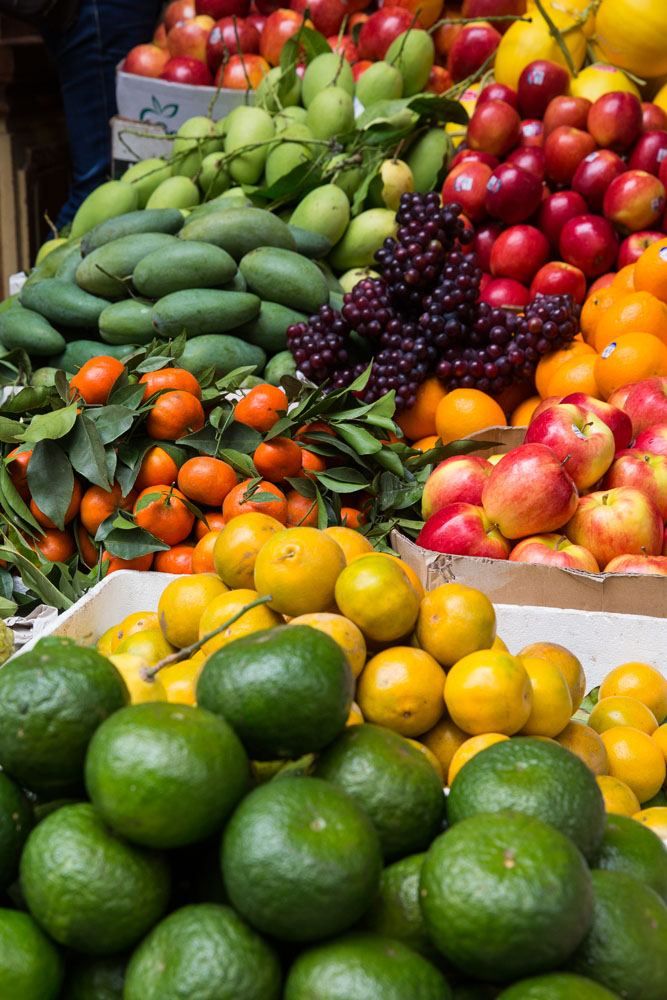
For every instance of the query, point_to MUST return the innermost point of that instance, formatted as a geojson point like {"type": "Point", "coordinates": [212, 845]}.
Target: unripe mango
{"type": "Point", "coordinates": [331, 113]}
{"type": "Point", "coordinates": [49, 247]}
{"type": "Point", "coordinates": [213, 177]}
{"type": "Point", "coordinates": [329, 69]}
{"type": "Point", "coordinates": [105, 202]}
{"type": "Point", "coordinates": [175, 192]}
{"type": "Point", "coordinates": [289, 116]}
{"type": "Point", "coordinates": [268, 95]}
{"type": "Point", "coordinates": [246, 127]}
{"type": "Point", "coordinates": [428, 157]}
{"type": "Point", "coordinates": [283, 158]}
{"type": "Point", "coordinates": [380, 82]}
{"type": "Point", "coordinates": [364, 236]}
{"type": "Point", "coordinates": [146, 176]}
{"type": "Point", "coordinates": [195, 139]}
{"type": "Point", "coordinates": [325, 210]}
{"type": "Point", "coordinates": [413, 54]}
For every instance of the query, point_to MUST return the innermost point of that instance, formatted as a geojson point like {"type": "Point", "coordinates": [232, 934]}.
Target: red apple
{"type": "Point", "coordinates": [224, 8]}
{"type": "Point", "coordinates": [472, 47]}
{"type": "Point", "coordinates": [189, 38]}
{"type": "Point", "coordinates": [280, 26]}
{"type": "Point", "coordinates": [182, 69]}
{"type": "Point", "coordinates": [266, 7]}
{"type": "Point", "coordinates": [559, 278]}
{"type": "Point", "coordinates": [160, 36]}
{"type": "Point", "coordinates": [439, 80]}
{"type": "Point", "coordinates": [616, 420]}
{"type": "Point", "coordinates": [505, 293]}
{"type": "Point", "coordinates": [653, 440]}
{"type": "Point", "coordinates": [459, 479]}
{"type": "Point", "coordinates": [257, 20]}
{"type": "Point", "coordinates": [614, 522]}
{"type": "Point", "coordinates": [466, 184]}
{"type": "Point", "coordinates": [543, 405]}
{"type": "Point", "coordinates": [580, 440]}
{"type": "Point", "coordinates": [327, 15]}
{"type": "Point", "coordinates": [664, 542]}
{"type": "Point", "coordinates": [638, 565]}
{"type": "Point", "coordinates": [494, 127]}
{"type": "Point", "coordinates": [494, 8]}
{"type": "Point", "coordinates": [474, 154]}
{"type": "Point", "coordinates": [512, 193]}
{"type": "Point", "coordinates": [649, 152]}
{"type": "Point", "coordinates": [429, 11]}
{"type": "Point", "coordinates": [556, 210]}
{"type": "Point", "coordinates": [519, 253]}
{"type": "Point", "coordinates": [179, 10]}
{"type": "Point", "coordinates": [228, 37]}
{"type": "Point", "coordinates": [554, 550]}
{"type": "Point", "coordinates": [380, 30]}
{"type": "Point", "coordinates": [529, 492]}
{"type": "Point", "coordinates": [615, 120]}
{"type": "Point", "coordinates": [589, 242]}
{"type": "Point", "coordinates": [146, 60]}
{"type": "Point", "coordinates": [564, 149]}
{"type": "Point", "coordinates": [360, 68]}
{"type": "Point", "coordinates": [645, 403]}
{"type": "Point", "coordinates": [653, 117]}
{"type": "Point", "coordinates": [539, 83]}
{"type": "Point", "coordinates": [241, 72]}
{"type": "Point", "coordinates": [594, 175]}
{"type": "Point", "coordinates": [644, 472]}
{"type": "Point", "coordinates": [530, 158]}
{"type": "Point", "coordinates": [463, 529]}
{"type": "Point", "coordinates": [485, 236]}
{"type": "Point", "coordinates": [633, 246]}
{"type": "Point", "coordinates": [635, 200]}
{"type": "Point", "coordinates": [531, 132]}
{"type": "Point", "coordinates": [498, 92]}
{"type": "Point", "coordinates": [572, 111]}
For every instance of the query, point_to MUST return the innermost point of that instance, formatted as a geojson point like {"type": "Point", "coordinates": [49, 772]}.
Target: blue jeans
{"type": "Point", "coordinates": [86, 55]}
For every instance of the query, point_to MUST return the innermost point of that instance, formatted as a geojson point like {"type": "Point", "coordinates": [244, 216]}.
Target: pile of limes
{"type": "Point", "coordinates": [199, 808]}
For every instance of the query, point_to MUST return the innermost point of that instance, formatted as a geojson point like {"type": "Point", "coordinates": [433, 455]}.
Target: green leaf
{"type": "Point", "coordinates": [243, 463]}
{"type": "Point", "coordinates": [7, 607]}
{"type": "Point", "coordinates": [395, 494]}
{"type": "Point", "coordinates": [322, 515]}
{"type": "Point", "coordinates": [35, 579]}
{"type": "Point", "coordinates": [340, 486]}
{"type": "Point", "coordinates": [147, 500]}
{"type": "Point", "coordinates": [434, 455]}
{"type": "Point", "coordinates": [304, 487]}
{"type": "Point", "coordinates": [292, 183]}
{"type": "Point", "coordinates": [128, 395]}
{"type": "Point", "coordinates": [10, 430]}
{"type": "Point", "coordinates": [14, 501]}
{"type": "Point", "coordinates": [232, 380]}
{"type": "Point", "coordinates": [206, 441]}
{"type": "Point", "coordinates": [363, 442]}
{"type": "Point", "coordinates": [390, 460]}
{"type": "Point", "coordinates": [62, 385]}
{"type": "Point", "coordinates": [112, 422]}
{"type": "Point", "coordinates": [153, 364]}
{"type": "Point", "coordinates": [128, 544]}
{"type": "Point", "coordinates": [361, 381]}
{"type": "Point", "coordinates": [50, 426]}
{"type": "Point", "coordinates": [29, 398]}
{"type": "Point", "coordinates": [435, 107]}
{"type": "Point", "coordinates": [86, 452]}
{"type": "Point", "coordinates": [51, 480]}
{"type": "Point", "coordinates": [241, 438]}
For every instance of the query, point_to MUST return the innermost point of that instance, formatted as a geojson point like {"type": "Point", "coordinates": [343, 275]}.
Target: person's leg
{"type": "Point", "coordinates": [86, 55]}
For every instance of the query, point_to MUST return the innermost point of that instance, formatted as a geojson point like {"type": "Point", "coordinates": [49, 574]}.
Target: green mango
{"type": "Point", "coordinates": [50, 246]}
{"type": "Point", "coordinates": [364, 236]}
{"type": "Point", "coordinates": [175, 192]}
{"type": "Point", "coordinates": [325, 210]}
{"type": "Point", "coordinates": [213, 177]}
{"type": "Point", "coordinates": [356, 274]}
{"type": "Point", "coordinates": [380, 82]}
{"type": "Point", "coordinates": [105, 202]}
{"type": "Point", "coordinates": [329, 69]}
{"type": "Point", "coordinates": [331, 113]}
{"type": "Point", "coordinates": [289, 116]}
{"type": "Point", "coordinates": [146, 176]}
{"type": "Point", "coordinates": [248, 127]}
{"type": "Point", "coordinates": [428, 157]}
{"type": "Point", "coordinates": [283, 158]}
{"type": "Point", "coordinates": [413, 54]}
{"type": "Point", "coordinates": [268, 95]}
{"type": "Point", "coordinates": [195, 139]}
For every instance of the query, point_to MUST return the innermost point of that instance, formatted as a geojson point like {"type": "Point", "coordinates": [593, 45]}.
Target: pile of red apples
{"type": "Point", "coordinates": [560, 190]}
{"type": "Point", "coordinates": [586, 490]}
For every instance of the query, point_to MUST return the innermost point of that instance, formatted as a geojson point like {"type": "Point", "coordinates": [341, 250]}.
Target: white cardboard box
{"type": "Point", "coordinates": [600, 640]}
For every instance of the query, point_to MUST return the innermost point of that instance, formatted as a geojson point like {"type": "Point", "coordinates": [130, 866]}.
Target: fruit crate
{"type": "Point", "coordinates": [526, 584]}
{"type": "Point", "coordinates": [601, 641]}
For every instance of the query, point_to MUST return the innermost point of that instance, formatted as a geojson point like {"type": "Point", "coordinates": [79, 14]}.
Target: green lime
{"type": "Point", "coordinates": [631, 847]}
{"type": "Point", "coordinates": [533, 777]}
{"type": "Point", "coordinates": [15, 823]}
{"type": "Point", "coordinates": [364, 967]}
{"type": "Point", "coordinates": [30, 966]}
{"type": "Point", "coordinates": [505, 895]}
{"type": "Point", "coordinates": [395, 911]}
{"type": "Point", "coordinates": [626, 947]}
{"type": "Point", "coordinates": [557, 986]}
{"type": "Point", "coordinates": [286, 691]}
{"type": "Point", "coordinates": [52, 699]}
{"type": "Point", "coordinates": [88, 889]}
{"type": "Point", "coordinates": [165, 775]}
{"type": "Point", "coordinates": [392, 781]}
{"type": "Point", "coordinates": [203, 951]}
{"type": "Point", "coordinates": [95, 979]}
{"type": "Point", "coordinates": [300, 859]}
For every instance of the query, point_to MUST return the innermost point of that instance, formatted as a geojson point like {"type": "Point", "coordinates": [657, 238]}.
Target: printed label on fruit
{"type": "Point", "coordinates": [609, 349]}
{"type": "Point", "coordinates": [463, 183]}
{"type": "Point", "coordinates": [532, 128]}
{"type": "Point", "coordinates": [536, 76]}
{"type": "Point", "coordinates": [662, 153]}
{"type": "Point", "coordinates": [662, 253]}
{"type": "Point", "coordinates": [591, 156]}
{"type": "Point", "coordinates": [657, 204]}
{"type": "Point", "coordinates": [494, 184]}
{"type": "Point", "coordinates": [578, 432]}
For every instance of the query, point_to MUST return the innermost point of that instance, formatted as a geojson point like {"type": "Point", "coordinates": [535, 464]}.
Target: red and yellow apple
{"type": "Point", "coordinates": [641, 565]}
{"type": "Point", "coordinates": [617, 420]}
{"type": "Point", "coordinates": [463, 529]}
{"type": "Point", "coordinates": [459, 479]}
{"type": "Point", "coordinates": [579, 439]}
{"type": "Point", "coordinates": [616, 522]}
{"type": "Point", "coordinates": [645, 402]}
{"type": "Point", "coordinates": [653, 440]}
{"type": "Point", "coordinates": [554, 550]}
{"type": "Point", "coordinates": [644, 472]}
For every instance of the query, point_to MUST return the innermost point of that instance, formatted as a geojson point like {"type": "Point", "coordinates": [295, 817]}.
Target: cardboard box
{"type": "Point", "coordinates": [134, 141]}
{"type": "Point", "coordinates": [601, 641]}
{"type": "Point", "coordinates": [525, 584]}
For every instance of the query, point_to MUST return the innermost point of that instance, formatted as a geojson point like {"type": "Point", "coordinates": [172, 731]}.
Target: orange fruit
{"type": "Point", "coordinates": [277, 459]}
{"type": "Point", "coordinates": [618, 710]}
{"type": "Point", "coordinates": [170, 378]}
{"type": "Point", "coordinates": [568, 664]}
{"type": "Point", "coordinates": [237, 546]}
{"type": "Point", "coordinates": [113, 563]}
{"type": "Point", "coordinates": [407, 571]}
{"type": "Point", "coordinates": [619, 798]}
{"type": "Point", "coordinates": [348, 636]}
{"type": "Point", "coordinates": [182, 604]}
{"type": "Point", "coordinates": [174, 415]}
{"type": "Point", "coordinates": [489, 692]}
{"type": "Point", "coordinates": [261, 408]}
{"type": "Point", "coordinates": [464, 411]}
{"type": "Point", "coordinates": [206, 480]}
{"type": "Point", "coordinates": [252, 496]}
{"type": "Point", "coordinates": [471, 747]}
{"type": "Point", "coordinates": [352, 517]}
{"type": "Point", "coordinates": [96, 378]}
{"type": "Point", "coordinates": [631, 358]}
{"type": "Point", "coordinates": [301, 511]}
{"type": "Point", "coordinates": [162, 511]}
{"type": "Point", "coordinates": [98, 504]}
{"type": "Point", "coordinates": [552, 702]}
{"type": "Point", "coordinates": [221, 608]}
{"type": "Point", "coordinates": [426, 443]}
{"type": "Point", "coordinates": [659, 737]}
{"type": "Point", "coordinates": [655, 819]}
{"type": "Point", "coordinates": [17, 467]}
{"type": "Point", "coordinates": [455, 620]}
{"type": "Point", "coordinates": [310, 462]}
{"type": "Point", "coordinates": [177, 559]}
{"type": "Point", "coordinates": [522, 415]}
{"type": "Point", "coordinates": [401, 688]}
{"type": "Point", "coordinates": [213, 520]}
{"type": "Point", "coordinates": [375, 593]}
{"type": "Point", "coordinates": [640, 681]}
{"type": "Point", "coordinates": [624, 279]}
{"type": "Point", "coordinates": [651, 270]}
{"type": "Point", "coordinates": [576, 375]}
{"type": "Point", "coordinates": [157, 467]}
{"type": "Point", "coordinates": [351, 542]}
{"type": "Point", "coordinates": [70, 513]}
{"type": "Point", "coordinates": [202, 555]}
{"type": "Point", "coordinates": [443, 741]}
{"type": "Point", "coordinates": [599, 300]}
{"type": "Point", "coordinates": [635, 759]}
{"type": "Point", "coordinates": [430, 757]}
{"type": "Point", "coordinates": [55, 545]}
{"type": "Point", "coordinates": [549, 364]}
{"type": "Point", "coordinates": [180, 681]}
{"type": "Point", "coordinates": [586, 744]}
{"type": "Point", "coordinates": [299, 567]}
{"type": "Point", "coordinates": [88, 550]}
{"type": "Point", "coordinates": [631, 312]}
{"type": "Point", "coordinates": [418, 420]}
{"type": "Point", "coordinates": [355, 718]}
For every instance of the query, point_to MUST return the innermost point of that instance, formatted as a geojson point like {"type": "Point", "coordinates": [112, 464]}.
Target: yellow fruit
{"type": "Point", "coordinates": [455, 620]}
{"type": "Point", "coordinates": [348, 636]}
{"type": "Point", "coordinates": [655, 819]}
{"type": "Point", "coordinates": [182, 603]}
{"type": "Point", "coordinates": [376, 595]}
{"type": "Point", "coordinates": [180, 681]}
{"type": "Point", "coordinates": [401, 688]}
{"type": "Point", "coordinates": [237, 546]}
{"type": "Point", "coordinates": [498, 643]}
{"type": "Point", "coordinates": [631, 34]}
{"type": "Point", "coordinates": [131, 668]}
{"type": "Point", "coordinates": [443, 741]}
{"type": "Point", "coordinates": [355, 718]}
{"type": "Point", "coordinates": [635, 759]}
{"type": "Point", "coordinates": [150, 645]}
{"type": "Point", "coordinates": [659, 737]}
{"type": "Point", "coordinates": [661, 98]}
{"type": "Point", "coordinates": [299, 568]}
{"type": "Point", "coordinates": [617, 710]}
{"type": "Point", "coordinates": [352, 542]}
{"type": "Point", "coordinates": [413, 579]}
{"type": "Point", "coordinates": [568, 664]}
{"type": "Point", "coordinates": [640, 681]}
{"type": "Point", "coordinates": [601, 78]}
{"type": "Point", "coordinates": [586, 744]}
{"type": "Point", "coordinates": [138, 621]}
{"type": "Point", "coordinates": [524, 42]}
{"type": "Point", "coordinates": [108, 641]}
{"type": "Point", "coordinates": [469, 749]}
{"type": "Point", "coordinates": [489, 692]}
{"type": "Point", "coordinates": [552, 702]}
{"type": "Point", "coordinates": [430, 757]}
{"type": "Point", "coordinates": [618, 797]}
{"type": "Point", "coordinates": [224, 607]}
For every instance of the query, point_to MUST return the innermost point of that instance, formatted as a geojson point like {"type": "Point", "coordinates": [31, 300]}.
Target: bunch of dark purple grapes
{"type": "Point", "coordinates": [422, 316]}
